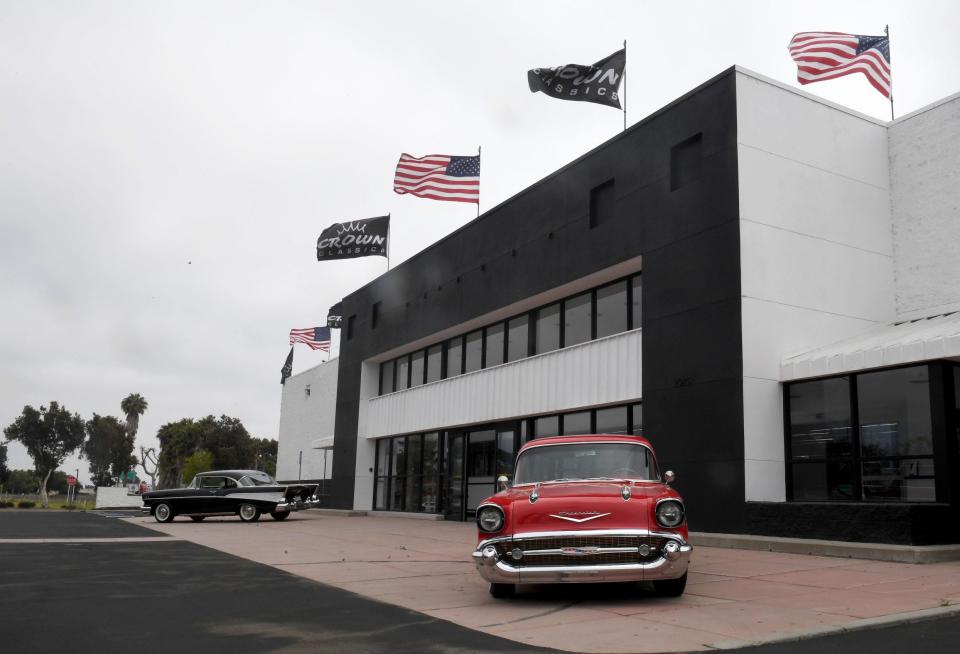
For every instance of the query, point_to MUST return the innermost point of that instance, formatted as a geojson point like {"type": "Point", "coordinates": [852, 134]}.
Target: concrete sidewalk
{"type": "Point", "coordinates": [733, 597]}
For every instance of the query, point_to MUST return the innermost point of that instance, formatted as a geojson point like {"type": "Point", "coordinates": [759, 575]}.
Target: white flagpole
{"type": "Point", "coordinates": [388, 242]}
{"type": "Point", "coordinates": [623, 83]}
{"type": "Point", "coordinates": [478, 190]}
{"type": "Point", "coordinates": [886, 30]}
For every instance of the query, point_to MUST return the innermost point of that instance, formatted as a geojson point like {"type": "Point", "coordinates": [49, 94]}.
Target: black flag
{"type": "Point", "coordinates": [335, 316]}
{"type": "Point", "coordinates": [358, 238]}
{"type": "Point", "coordinates": [287, 368]}
{"type": "Point", "coordinates": [598, 83]}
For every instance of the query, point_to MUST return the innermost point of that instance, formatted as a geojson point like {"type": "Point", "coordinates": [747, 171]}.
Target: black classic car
{"type": "Point", "coordinates": [246, 493]}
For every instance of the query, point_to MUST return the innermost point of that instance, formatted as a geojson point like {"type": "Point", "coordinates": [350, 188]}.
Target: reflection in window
{"type": "Point", "coordinates": [416, 368]}
{"type": "Point", "coordinates": [494, 346]}
{"type": "Point", "coordinates": [894, 410]}
{"type": "Point", "coordinates": [906, 480]}
{"type": "Point", "coordinates": [403, 372]}
{"type": "Point", "coordinates": [612, 420]}
{"type": "Point", "coordinates": [546, 426]}
{"type": "Point", "coordinates": [517, 338]}
{"type": "Point", "coordinates": [548, 328]}
{"type": "Point", "coordinates": [454, 357]}
{"type": "Point", "coordinates": [826, 480]}
{"type": "Point", "coordinates": [612, 309]}
{"type": "Point", "coordinates": [577, 319]}
{"type": "Point", "coordinates": [820, 418]}
{"type": "Point", "coordinates": [636, 295]}
{"type": "Point", "coordinates": [386, 377]}
{"type": "Point", "coordinates": [434, 360]}
{"type": "Point", "coordinates": [636, 427]}
{"type": "Point", "coordinates": [576, 423]}
{"type": "Point", "coordinates": [474, 350]}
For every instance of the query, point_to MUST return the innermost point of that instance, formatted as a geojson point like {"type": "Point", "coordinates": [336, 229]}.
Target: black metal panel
{"type": "Point", "coordinates": [541, 239]}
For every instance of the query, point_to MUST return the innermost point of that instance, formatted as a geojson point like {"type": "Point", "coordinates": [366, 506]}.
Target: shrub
{"type": "Point", "coordinates": [6, 505]}
{"type": "Point", "coordinates": [68, 507]}
{"type": "Point", "coordinates": [26, 504]}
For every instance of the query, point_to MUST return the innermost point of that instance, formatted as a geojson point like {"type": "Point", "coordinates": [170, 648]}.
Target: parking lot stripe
{"type": "Point", "coordinates": [131, 539]}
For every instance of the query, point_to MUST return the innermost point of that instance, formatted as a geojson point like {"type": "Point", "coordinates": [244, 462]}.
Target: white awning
{"type": "Point", "coordinates": [325, 443]}
{"type": "Point", "coordinates": [924, 339]}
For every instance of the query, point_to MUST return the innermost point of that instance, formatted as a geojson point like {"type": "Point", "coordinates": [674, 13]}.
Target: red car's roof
{"type": "Point", "coordinates": [586, 438]}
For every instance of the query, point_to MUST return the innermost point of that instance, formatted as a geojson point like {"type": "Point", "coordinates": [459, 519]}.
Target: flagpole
{"type": "Point", "coordinates": [478, 188]}
{"type": "Point", "coordinates": [624, 84]}
{"type": "Point", "coordinates": [388, 242]}
{"type": "Point", "coordinates": [886, 31]}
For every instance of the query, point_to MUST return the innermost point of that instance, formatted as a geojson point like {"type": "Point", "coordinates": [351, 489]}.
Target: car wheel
{"type": "Point", "coordinates": [671, 587]}
{"type": "Point", "coordinates": [197, 518]}
{"type": "Point", "coordinates": [163, 512]}
{"type": "Point", "coordinates": [502, 591]}
{"type": "Point", "coordinates": [280, 515]}
{"type": "Point", "coordinates": [249, 513]}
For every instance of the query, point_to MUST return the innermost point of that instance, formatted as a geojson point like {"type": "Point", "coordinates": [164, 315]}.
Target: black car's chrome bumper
{"type": "Point", "coordinates": [145, 510]}
{"type": "Point", "coordinates": [670, 563]}
{"type": "Point", "coordinates": [297, 505]}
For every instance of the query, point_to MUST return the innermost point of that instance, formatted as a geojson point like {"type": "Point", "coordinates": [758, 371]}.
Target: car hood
{"type": "Point", "coordinates": [582, 505]}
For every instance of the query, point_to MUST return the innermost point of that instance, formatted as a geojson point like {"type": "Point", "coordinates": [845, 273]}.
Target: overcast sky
{"type": "Point", "coordinates": [166, 167]}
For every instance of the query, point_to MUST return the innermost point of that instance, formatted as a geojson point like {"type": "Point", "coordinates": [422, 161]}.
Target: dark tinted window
{"type": "Point", "coordinates": [416, 368]}
{"type": "Point", "coordinates": [517, 336]}
{"type": "Point", "coordinates": [612, 420]}
{"type": "Point", "coordinates": [577, 318]}
{"type": "Point", "coordinates": [637, 419]}
{"type": "Point", "coordinates": [612, 309]}
{"type": "Point", "coordinates": [434, 359]}
{"type": "Point", "coordinates": [548, 328]}
{"type": "Point", "coordinates": [494, 345]}
{"type": "Point", "coordinates": [576, 423]}
{"type": "Point", "coordinates": [474, 358]}
{"type": "Point", "coordinates": [455, 356]}
{"type": "Point", "coordinates": [828, 480]}
{"type": "Point", "coordinates": [894, 410]}
{"type": "Point", "coordinates": [636, 291]}
{"type": "Point", "coordinates": [386, 377]}
{"type": "Point", "coordinates": [546, 426]}
{"type": "Point", "coordinates": [820, 418]}
{"type": "Point", "coordinates": [685, 162]}
{"type": "Point", "coordinates": [602, 203]}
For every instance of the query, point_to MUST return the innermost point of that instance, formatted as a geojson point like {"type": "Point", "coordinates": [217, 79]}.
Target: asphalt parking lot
{"type": "Point", "coordinates": [113, 591]}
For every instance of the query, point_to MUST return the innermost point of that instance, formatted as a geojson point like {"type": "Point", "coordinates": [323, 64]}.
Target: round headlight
{"type": "Point", "coordinates": [670, 513]}
{"type": "Point", "coordinates": [490, 519]}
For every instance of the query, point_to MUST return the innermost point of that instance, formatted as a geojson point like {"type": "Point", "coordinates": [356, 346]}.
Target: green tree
{"type": "Point", "coordinates": [265, 455]}
{"type": "Point", "coordinates": [23, 481]}
{"type": "Point", "coordinates": [199, 461]}
{"type": "Point", "coordinates": [178, 440]}
{"type": "Point", "coordinates": [4, 472]}
{"type": "Point", "coordinates": [58, 481]}
{"type": "Point", "coordinates": [133, 406]}
{"type": "Point", "coordinates": [106, 436]}
{"type": "Point", "coordinates": [49, 436]}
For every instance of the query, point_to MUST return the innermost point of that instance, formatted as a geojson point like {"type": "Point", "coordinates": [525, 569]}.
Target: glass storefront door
{"type": "Point", "coordinates": [473, 459]}
{"type": "Point", "coordinates": [481, 460]}
{"type": "Point", "coordinates": [453, 460]}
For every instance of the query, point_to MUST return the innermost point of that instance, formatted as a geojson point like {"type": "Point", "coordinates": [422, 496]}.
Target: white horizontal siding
{"type": "Point", "coordinates": [604, 371]}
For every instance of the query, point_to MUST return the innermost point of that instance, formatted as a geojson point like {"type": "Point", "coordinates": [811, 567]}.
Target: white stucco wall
{"type": "Point", "coordinates": [306, 418]}
{"type": "Point", "coordinates": [816, 249]}
{"type": "Point", "coordinates": [925, 182]}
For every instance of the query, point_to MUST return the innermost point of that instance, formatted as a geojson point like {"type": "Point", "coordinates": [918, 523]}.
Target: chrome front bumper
{"type": "Point", "coordinates": [297, 505]}
{"type": "Point", "coordinates": [671, 564]}
{"type": "Point", "coordinates": [145, 510]}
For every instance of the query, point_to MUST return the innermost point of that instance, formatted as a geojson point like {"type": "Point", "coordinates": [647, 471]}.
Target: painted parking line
{"type": "Point", "coordinates": [131, 539]}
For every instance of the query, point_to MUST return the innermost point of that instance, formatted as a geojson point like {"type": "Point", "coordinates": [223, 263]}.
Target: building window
{"type": "Point", "coordinates": [548, 329]}
{"type": "Point", "coordinates": [615, 420]}
{"type": "Point", "coordinates": [636, 419]}
{"type": "Point", "coordinates": [636, 297]}
{"type": "Point", "coordinates": [386, 377]}
{"type": "Point", "coordinates": [473, 359]}
{"type": "Point", "coordinates": [454, 357]}
{"type": "Point", "coordinates": [351, 323]}
{"type": "Point", "coordinates": [576, 423]}
{"type": "Point", "coordinates": [417, 368]}
{"type": "Point", "coordinates": [612, 317]}
{"type": "Point", "coordinates": [577, 319]}
{"type": "Point", "coordinates": [403, 373]}
{"type": "Point", "coordinates": [602, 203]}
{"type": "Point", "coordinates": [306, 391]}
{"type": "Point", "coordinates": [434, 363]}
{"type": "Point", "coordinates": [546, 426]}
{"type": "Point", "coordinates": [518, 338]}
{"type": "Point", "coordinates": [686, 161]}
{"type": "Point", "coordinates": [407, 470]}
{"type": "Point", "coordinates": [493, 345]}
{"type": "Point", "coordinates": [374, 315]}
{"type": "Point", "coordinates": [865, 437]}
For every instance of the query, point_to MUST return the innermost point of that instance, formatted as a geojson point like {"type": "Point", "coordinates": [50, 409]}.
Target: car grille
{"type": "Point", "coordinates": [549, 550]}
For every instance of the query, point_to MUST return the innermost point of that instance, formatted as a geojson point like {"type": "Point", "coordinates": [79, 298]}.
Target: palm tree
{"type": "Point", "coordinates": [133, 406]}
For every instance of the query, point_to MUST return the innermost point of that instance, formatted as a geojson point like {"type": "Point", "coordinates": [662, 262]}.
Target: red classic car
{"type": "Point", "coordinates": [584, 509]}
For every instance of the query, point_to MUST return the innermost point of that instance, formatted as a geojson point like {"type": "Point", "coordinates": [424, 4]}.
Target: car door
{"type": "Point", "coordinates": [225, 500]}
{"type": "Point", "coordinates": [209, 499]}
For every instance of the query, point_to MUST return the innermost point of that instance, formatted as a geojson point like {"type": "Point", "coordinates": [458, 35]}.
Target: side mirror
{"type": "Point", "coordinates": [668, 477]}
{"type": "Point", "coordinates": [503, 482]}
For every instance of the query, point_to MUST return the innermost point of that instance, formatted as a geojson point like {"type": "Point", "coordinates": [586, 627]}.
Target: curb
{"type": "Point", "coordinates": [864, 624]}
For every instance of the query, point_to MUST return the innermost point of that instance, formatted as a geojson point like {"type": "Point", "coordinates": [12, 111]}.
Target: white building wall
{"type": "Point", "coordinates": [816, 249]}
{"type": "Point", "coordinates": [925, 182]}
{"type": "Point", "coordinates": [306, 418]}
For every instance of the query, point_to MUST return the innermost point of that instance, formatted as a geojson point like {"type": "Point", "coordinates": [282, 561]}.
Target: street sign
{"type": "Point", "coordinates": [71, 480]}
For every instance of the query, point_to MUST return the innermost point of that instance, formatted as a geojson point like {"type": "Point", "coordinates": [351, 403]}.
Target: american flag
{"type": "Point", "coordinates": [318, 338]}
{"type": "Point", "coordinates": [439, 177]}
{"type": "Point", "coordinates": [828, 55]}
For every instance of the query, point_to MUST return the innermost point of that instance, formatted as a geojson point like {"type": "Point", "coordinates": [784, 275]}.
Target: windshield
{"type": "Point", "coordinates": [575, 461]}
{"type": "Point", "coordinates": [257, 479]}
